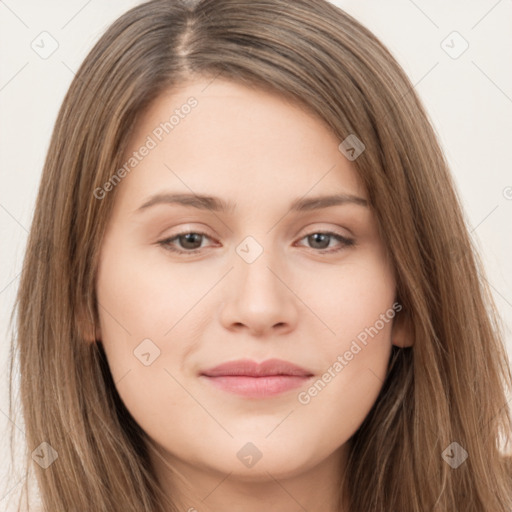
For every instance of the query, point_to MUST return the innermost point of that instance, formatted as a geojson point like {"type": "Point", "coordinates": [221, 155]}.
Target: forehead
{"type": "Point", "coordinates": [231, 140]}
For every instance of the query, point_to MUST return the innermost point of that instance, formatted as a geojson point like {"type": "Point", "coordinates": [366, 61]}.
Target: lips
{"type": "Point", "coordinates": [257, 380]}
{"type": "Point", "coordinates": [249, 368]}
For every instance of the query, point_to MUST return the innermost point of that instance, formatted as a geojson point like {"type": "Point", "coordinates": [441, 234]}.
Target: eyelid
{"type": "Point", "coordinates": [344, 240]}
{"type": "Point", "coordinates": [323, 227]}
{"type": "Point", "coordinates": [165, 243]}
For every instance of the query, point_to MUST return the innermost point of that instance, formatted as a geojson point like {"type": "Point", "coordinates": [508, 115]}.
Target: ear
{"type": "Point", "coordinates": [402, 332]}
{"type": "Point", "coordinates": [89, 331]}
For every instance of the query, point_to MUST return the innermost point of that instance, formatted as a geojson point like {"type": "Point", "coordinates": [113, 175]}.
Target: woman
{"type": "Point", "coordinates": [240, 289]}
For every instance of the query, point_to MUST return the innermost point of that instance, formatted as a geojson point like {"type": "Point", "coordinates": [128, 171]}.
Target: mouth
{"type": "Point", "coordinates": [252, 380]}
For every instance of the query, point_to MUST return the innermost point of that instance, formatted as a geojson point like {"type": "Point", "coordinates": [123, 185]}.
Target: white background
{"type": "Point", "coordinates": [468, 98]}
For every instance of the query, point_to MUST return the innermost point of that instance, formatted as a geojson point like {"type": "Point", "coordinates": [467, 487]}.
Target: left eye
{"type": "Point", "coordinates": [321, 240]}
{"type": "Point", "coordinates": [190, 242]}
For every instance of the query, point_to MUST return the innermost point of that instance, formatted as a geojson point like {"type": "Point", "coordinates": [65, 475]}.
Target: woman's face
{"type": "Point", "coordinates": [268, 271]}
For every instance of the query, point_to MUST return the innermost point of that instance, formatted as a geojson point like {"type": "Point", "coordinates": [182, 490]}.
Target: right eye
{"type": "Point", "coordinates": [190, 242]}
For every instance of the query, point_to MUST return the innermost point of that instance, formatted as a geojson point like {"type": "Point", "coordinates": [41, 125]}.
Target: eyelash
{"type": "Point", "coordinates": [346, 242]}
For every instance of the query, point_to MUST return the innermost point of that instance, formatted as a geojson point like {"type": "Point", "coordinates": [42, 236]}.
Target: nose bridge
{"type": "Point", "coordinates": [257, 278]}
{"type": "Point", "coordinates": [258, 281]}
{"type": "Point", "coordinates": [258, 298]}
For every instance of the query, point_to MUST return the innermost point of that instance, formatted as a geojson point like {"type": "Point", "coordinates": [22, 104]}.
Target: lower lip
{"type": "Point", "coordinates": [257, 387]}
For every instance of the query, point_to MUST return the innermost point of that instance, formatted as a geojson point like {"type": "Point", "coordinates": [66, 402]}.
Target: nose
{"type": "Point", "coordinates": [259, 299]}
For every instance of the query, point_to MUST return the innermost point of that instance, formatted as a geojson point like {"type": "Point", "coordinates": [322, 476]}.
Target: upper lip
{"type": "Point", "coordinates": [249, 368]}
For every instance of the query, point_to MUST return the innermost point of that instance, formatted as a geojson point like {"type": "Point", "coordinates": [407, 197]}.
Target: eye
{"type": "Point", "coordinates": [321, 240]}
{"type": "Point", "coordinates": [190, 242]}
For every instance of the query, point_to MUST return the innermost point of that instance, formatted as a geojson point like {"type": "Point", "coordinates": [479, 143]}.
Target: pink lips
{"type": "Point", "coordinates": [248, 378]}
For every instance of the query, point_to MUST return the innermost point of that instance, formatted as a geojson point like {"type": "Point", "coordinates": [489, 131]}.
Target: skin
{"type": "Point", "coordinates": [296, 301]}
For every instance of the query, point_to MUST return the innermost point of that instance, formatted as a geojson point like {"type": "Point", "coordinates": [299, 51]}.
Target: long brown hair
{"type": "Point", "coordinates": [450, 386]}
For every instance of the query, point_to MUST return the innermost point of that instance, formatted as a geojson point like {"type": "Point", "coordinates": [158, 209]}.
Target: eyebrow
{"type": "Point", "coordinates": [216, 204]}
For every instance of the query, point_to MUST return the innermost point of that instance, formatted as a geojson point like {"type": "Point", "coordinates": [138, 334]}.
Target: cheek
{"type": "Point", "coordinates": [356, 302]}
{"type": "Point", "coordinates": [351, 297]}
{"type": "Point", "coordinates": [144, 312]}
{"type": "Point", "coordinates": [140, 298]}
{"type": "Point", "coordinates": [345, 393]}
